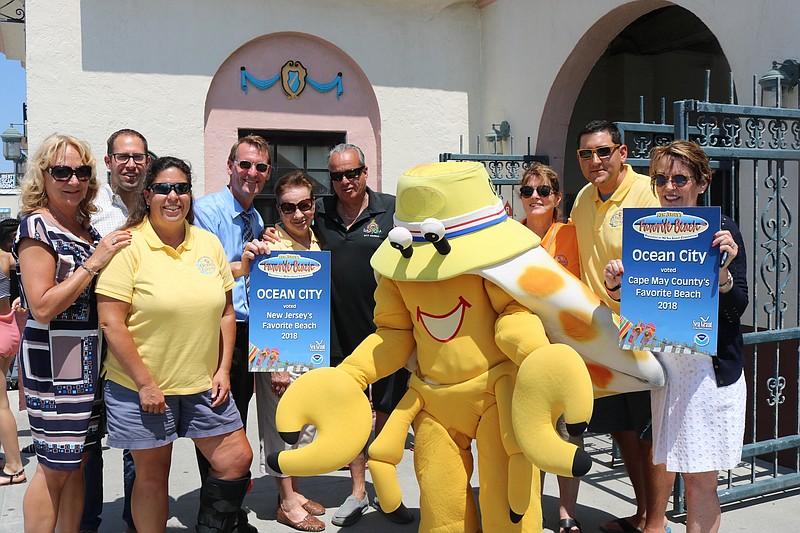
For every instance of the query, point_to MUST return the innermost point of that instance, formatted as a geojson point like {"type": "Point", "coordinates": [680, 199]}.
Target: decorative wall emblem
{"type": "Point", "coordinates": [294, 78]}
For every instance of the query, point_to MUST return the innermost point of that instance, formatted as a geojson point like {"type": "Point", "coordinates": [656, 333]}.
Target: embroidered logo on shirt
{"type": "Point", "coordinates": [616, 219]}
{"type": "Point", "coordinates": [205, 265]}
{"type": "Point", "coordinates": [372, 228]}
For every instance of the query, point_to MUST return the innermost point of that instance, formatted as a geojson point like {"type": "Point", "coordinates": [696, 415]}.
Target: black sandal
{"type": "Point", "coordinates": [567, 525]}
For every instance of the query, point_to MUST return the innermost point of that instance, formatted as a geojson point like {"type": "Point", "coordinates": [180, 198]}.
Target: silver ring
{"type": "Point", "coordinates": [113, 240]}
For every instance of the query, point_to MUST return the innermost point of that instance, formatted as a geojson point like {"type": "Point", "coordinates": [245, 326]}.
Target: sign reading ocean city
{"type": "Point", "coordinates": [290, 311]}
{"type": "Point", "coordinates": [670, 291]}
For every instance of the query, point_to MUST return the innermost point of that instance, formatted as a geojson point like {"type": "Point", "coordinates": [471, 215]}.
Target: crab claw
{"type": "Point", "coordinates": [331, 400]}
{"type": "Point", "coordinates": [552, 380]}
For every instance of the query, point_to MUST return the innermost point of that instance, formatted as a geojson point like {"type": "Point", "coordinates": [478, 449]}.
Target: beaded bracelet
{"type": "Point", "coordinates": [89, 270]}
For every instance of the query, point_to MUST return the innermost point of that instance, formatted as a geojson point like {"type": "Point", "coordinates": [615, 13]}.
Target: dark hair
{"type": "Point", "coordinates": [254, 140]}
{"type": "Point", "coordinates": [8, 226]}
{"type": "Point", "coordinates": [547, 174]}
{"type": "Point", "coordinates": [124, 131]}
{"type": "Point", "coordinates": [687, 152]}
{"type": "Point", "coordinates": [296, 178]}
{"type": "Point", "coordinates": [141, 209]}
{"type": "Point", "coordinates": [598, 126]}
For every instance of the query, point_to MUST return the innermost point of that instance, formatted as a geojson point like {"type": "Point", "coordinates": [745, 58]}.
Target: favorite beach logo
{"type": "Point", "coordinates": [291, 266]}
{"type": "Point", "coordinates": [670, 226]}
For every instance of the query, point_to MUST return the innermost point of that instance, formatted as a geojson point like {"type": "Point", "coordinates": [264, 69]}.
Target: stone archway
{"type": "Point", "coordinates": [228, 108]}
{"type": "Point", "coordinates": [610, 67]}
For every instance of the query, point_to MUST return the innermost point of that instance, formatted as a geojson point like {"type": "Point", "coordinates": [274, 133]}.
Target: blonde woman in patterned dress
{"type": "Point", "coordinates": [698, 416]}
{"type": "Point", "coordinates": [58, 256]}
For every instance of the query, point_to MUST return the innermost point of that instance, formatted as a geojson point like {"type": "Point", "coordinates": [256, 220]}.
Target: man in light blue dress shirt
{"type": "Point", "coordinates": [231, 216]}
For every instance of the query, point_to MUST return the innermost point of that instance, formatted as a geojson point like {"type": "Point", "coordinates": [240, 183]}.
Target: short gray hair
{"type": "Point", "coordinates": [344, 147]}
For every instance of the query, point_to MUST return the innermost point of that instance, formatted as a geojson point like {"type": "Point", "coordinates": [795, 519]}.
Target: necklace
{"type": "Point", "coordinates": [348, 220]}
{"type": "Point", "coordinates": [73, 226]}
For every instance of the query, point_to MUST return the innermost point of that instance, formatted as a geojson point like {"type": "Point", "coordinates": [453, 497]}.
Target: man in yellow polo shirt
{"type": "Point", "coordinates": [597, 215]}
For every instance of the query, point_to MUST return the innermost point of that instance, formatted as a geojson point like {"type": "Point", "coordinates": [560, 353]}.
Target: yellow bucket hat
{"type": "Point", "coordinates": [455, 201]}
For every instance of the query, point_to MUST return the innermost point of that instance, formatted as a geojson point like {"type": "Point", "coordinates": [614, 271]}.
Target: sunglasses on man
{"type": "Point", "coordinates": [543, 191]}
{"type": "Point", "coordinates": [351, 174]}
{"type": "Point", "coordinates": [244, 164]}
{"type": "Point", "coordinates": [165, 188]}
{"type": "Point", "coordinates": [602, 152]}
{"type": "Point", "coordinates": [64, 172]}
{"type": "Point", "coordinates": [288, 208]}
{"type": "Point", "coordinates": [678, 180]}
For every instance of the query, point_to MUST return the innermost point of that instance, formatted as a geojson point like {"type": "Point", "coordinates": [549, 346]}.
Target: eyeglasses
{"type": "Point", "coordinates": [288, 208]}
{"type": "Point", "coordinates": [121, 158]}
{"type": "Point", "coordinates": [602, 152]}
{"type": "Point", "coordinates": [351, 174]}
{"type": "Point", "coordinates": [64, 173]}
{"type": "Point", "coordinates": [244, 164]}
{"type": "Point", "coordinates": [542, 190]}
{"type": "Point", "coordinates": [678, 180]}
{"type": "Point", "coordinates": [182, 187]}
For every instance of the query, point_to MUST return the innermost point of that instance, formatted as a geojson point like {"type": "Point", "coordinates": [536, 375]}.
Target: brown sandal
{"type": "Point", "coordinates": [309, 523]}
{"type": "Point", "coordinates": [314, 508]}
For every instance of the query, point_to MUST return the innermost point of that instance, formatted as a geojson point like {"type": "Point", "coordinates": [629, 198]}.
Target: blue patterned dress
{"type": "Point", "coordinates": [61, 359]}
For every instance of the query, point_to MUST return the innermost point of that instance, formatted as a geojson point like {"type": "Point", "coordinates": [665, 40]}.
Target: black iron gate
{"type": "Point", "coordinates": [755, 150]}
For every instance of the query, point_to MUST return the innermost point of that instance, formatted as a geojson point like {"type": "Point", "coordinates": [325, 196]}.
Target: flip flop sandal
{"type": "Point", "coordinates": [12, 479]}
{"type": "Point", "coordinates": [568, 524]}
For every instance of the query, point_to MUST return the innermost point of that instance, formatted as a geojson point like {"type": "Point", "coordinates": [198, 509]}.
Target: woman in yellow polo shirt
{"type": "Point", "coordinates": [166, 309]}
{"type": "Point", "coordinates": [295, 199]}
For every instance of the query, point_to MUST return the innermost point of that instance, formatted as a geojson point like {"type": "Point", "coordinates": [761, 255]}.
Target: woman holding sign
{"type": "Point", "coordinates": [166, 309]}
{"type": "Point", "coordinates": [540, 192]}
{"type": "Point", "coordinates": [295, 200]}
{"type": "Point", "coordinates": [698, 416]}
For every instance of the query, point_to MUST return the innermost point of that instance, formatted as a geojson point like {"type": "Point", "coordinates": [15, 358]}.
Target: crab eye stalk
{"type": "Point", "coordinates": [433, 231]}
{"type": "Point", "coordinates": [400, 239]}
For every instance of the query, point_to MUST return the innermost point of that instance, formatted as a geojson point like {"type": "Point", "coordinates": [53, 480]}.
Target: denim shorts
{"type": "Point", "coordinates": [189, 415]}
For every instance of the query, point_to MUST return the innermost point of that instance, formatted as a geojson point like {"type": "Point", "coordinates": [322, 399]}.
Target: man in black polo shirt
{"type": "Point", "coordinates": [352, 224]}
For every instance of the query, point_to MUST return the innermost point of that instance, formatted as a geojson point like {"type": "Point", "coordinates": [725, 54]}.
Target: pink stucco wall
{"type": "Point", "coordinates": [228, 108]}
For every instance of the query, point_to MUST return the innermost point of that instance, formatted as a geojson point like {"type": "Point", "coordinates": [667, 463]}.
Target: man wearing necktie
{"type": "Point", "coordinates": [231, 216]}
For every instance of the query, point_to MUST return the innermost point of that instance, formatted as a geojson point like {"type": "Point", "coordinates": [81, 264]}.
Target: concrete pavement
{"type": "Point", "coordinates": [605, 493]}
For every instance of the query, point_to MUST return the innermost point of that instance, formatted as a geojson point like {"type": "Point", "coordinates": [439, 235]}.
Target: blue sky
{"type": "Point", "coordinates": [12, 80]}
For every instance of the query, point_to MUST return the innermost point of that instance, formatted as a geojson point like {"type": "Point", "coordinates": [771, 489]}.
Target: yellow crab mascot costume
{"type": "Point", "coordinates": [470, 303]}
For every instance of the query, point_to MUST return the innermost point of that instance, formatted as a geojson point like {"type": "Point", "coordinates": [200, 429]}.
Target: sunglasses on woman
{"type": "Point", "coordinates": [678, 180]}
{"type": "Point", "coordinates": [64, 173]}
{"type": "Point", "coordinates": [288, 208]}
{"type": "Point", "coordinates": [244, 164]}
{"type": "Point", "coordinates": [543, 191]}
{"type": "Point", "coordinates": [165, 188]}
{"type": "Point", "coordinates": [351, 174]}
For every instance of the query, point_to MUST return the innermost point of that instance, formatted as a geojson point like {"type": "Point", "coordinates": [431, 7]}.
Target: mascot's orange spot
{"type": "Point", "coordinates": [600, 375]}
{"type": "Point", "coordinates": [577, 325]}
{"type": "Point", "coordinates": [541, 282]}
{"type": "Point", "coordinates": [639, 355]}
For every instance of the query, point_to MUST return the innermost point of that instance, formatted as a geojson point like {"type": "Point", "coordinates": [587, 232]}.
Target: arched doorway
{"type": "Point", "coordinates": [301, 126]}
{"type": "Point", "coordinates": [654, 49]}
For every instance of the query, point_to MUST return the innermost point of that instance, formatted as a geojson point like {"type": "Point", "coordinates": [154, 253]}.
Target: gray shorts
{"type": "Point", "coordinates": [189, 415]}
{"type": "Point", "coordinates": [623, 412]}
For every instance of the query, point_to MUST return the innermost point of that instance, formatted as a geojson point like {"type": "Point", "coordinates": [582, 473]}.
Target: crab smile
{"type": "Point", "coordinates": [444, 328]}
